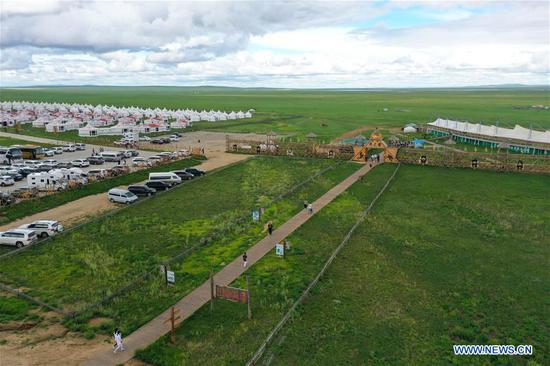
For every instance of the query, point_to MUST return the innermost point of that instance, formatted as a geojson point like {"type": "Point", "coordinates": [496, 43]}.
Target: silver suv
{"type": "Point", "coordinates": [44, 228]}
{"type": "Point", "coordinates": [18, 237]}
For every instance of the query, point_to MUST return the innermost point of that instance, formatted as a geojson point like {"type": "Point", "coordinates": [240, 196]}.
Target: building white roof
{"type": "Point", "coordinates": [517, 133]}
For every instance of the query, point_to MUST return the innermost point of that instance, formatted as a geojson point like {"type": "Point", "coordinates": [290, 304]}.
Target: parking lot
{"type": "Point", "coordinates": [81, 154]}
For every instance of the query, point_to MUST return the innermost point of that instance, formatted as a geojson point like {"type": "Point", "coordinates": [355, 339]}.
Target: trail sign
{"type": "Point", "coordinates": [232, 293]}
{"type": "Point", "coordinates": [170, 277]}
{"type": "Point", "coordinates": [280, 249]}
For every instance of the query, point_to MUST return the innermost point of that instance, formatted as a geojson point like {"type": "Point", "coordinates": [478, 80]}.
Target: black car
{"type": "Point", "coordinates": [157, 141]}
{"type": "Point", "coordinates": [134, 153]}
{"type": "Point", "coordinates": [166, 140]}
{"type": "Point", "coordinates": [178, 134]}
{"type": "Point", "coordinates": [46, 167]}
{"type": "Point", "coordinates": [27, 170]}
{"type": "Point", "coordinates": [183, 174]}
{"type": "Point", "coordinates": [157, 185]}
{"type": "Point", "coordinates": [15, 176]}
{"type": "Point", "coordinates": [195, 172]}
{"type": "Point", "coordinates": [95, 160]}
{"type": "Point", "coordinates": [139, 190]}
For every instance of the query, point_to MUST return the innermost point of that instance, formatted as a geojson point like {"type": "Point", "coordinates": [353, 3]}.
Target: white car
{"type": "Point", "coordinates": [174, 138]}
{"type": "Point", "coordinates": [81, 163]}
{"type": "Point", "coordinates": [18, 237]}
{"type": "Point", "coordinates": [144, 138]}
{"type": "Point", "coordinates": [140, 162]}
{"type": "Point", "coordinates": [58, 150]}
{"type": "Point", "coordinates": [34, 163]}
{"type": "Point", "coordinates": [80, 146]}
{"type": "Point", "coordinates": [127, 153]}
{"type": "Point", "coordinates": [184, 153]}
{"type": "Point", "coordinates": [121, 196]}
{"type": "Point", "coordinates": [49, 152]}
{"type": "Point", "coordinates": [44, 228]}
{"type": "Point", "coordinates": [69, 148]}
{"type": "Point", "coordinates": [155, 158]}
{"type": "Point", "coordinates": [6, 180]}
{"type": "Point", "coordinates": [50, 161]}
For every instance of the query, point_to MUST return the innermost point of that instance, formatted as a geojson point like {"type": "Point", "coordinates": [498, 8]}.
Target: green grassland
{"type": "Point", "coordinates": [200, 217]}
{"type": "Point", "coordinates": [328, 113]}
{"type": "Point", "coordinates": [446, 257]}
{"type": "Point", "coordinates": [8, 141]}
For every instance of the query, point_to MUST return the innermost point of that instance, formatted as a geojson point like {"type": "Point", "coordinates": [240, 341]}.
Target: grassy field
{"type": "Point", "coordinates": [201, 217]}
{"type": "Point", "coordinates": [328, 113]}
{"type": "Point", "coordinates": [8, 141]}
{"type": "Point", "coordinates": [447, 257]}
{"type": "Point", "coordinates": [32, 206]}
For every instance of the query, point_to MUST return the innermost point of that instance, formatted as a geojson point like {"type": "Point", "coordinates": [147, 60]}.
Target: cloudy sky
{"type": "Point", "coordinates": [291, 44]}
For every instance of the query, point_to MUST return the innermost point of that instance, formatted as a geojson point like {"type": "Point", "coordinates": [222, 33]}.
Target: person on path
{"type": "Point", "coordinates": [118, 341]}
{"type": "Point", "coordinates": [270, 227]}
{"type": "Point", "coordinates": [245, 259]}
{"type": "Point", "coordinates": [310, 209]}
{"type": "Point", "coordinates": [305, 205]}
{"type": "Point", "coordinates": [93, 152]}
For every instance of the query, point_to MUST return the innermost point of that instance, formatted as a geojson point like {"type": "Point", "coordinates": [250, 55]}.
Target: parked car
{"type": "Point", "coordinates": [112, 156]}
{"type": "Point", "coordinates": [142, 190]}
{"type": "Point", "coordinates": [166, 177]}
{"type": "Point", "coordinates": [166, 140]}
{"type": "Point", "coordinates": [95, 160]}
{"type": "Point", "coordinates": [58, 150]}
{"type": "Point", "coordinates": [184, 153]}
{"type": "Point", "coordinates": [48, 152]}
{"type": "Point", "coordinates": [167, 155]}
{"type": "Point", "coordinates": [49, 161]}
{"type": "Point", "coordinates": [97, 174]}
{"type": "Point", "coordinates": [16, 176]}
{"type": "Point", "coordinates": [81, 163]}
{"type": "Point", "coordinates": [134, 153]}
{"type": "Point", "coordinates": [144, 138]}
{"type": "Point", "coordinates": [18, 237]}
{"type": "Point", "coordinates": [174, 138]}
{"type": "Point", "coordinates": [34, 163]}
{"type": "Point", "coordinates": [80, 146]}
{"type": "Point", "coordinates": [157, 185]}
{"type": "Point", "coordinates": [65, 165]}
{"type": "Point", "coordinates": [157, 141]}
{"type": "Point", "coordinates": [44, 228]}
{"type": "Point", "coordinates": [46, 167]}
{"type": "Point", "coordinates": [183, 174]}
{"type": "Point", "coordinates": [6, 180]}
{"type": "Point", "coordinates": [155, 159]}
{"type": "Point", "coordinates": [120, 169]}
{"type": "Point", "coordinates": [177, 134]}
{"type": "Point", "coordinates": [69, 148]}
{"type": "Point", "coordinates": [196, 172]}
{"type": "Point", "coordinates": [121, 196]}
{"type": "Point", "coordinates": [141, 162]}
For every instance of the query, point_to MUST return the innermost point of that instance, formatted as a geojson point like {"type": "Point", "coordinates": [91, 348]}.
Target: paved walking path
{"type": "Point", "coordinates": [154, 329]}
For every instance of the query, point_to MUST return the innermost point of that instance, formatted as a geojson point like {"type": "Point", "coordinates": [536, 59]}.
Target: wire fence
{"type": "Point", "coordinates": [270, 337]}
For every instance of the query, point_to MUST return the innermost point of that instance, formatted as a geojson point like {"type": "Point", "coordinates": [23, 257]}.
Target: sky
{"type": "Point", "coordinates": [285, 44]}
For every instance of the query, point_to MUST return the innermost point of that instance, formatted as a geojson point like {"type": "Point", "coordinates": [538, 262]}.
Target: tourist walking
{"type": "Point", "coordinates": [305, 205]}
{"type": "Point", "coordinates": [310, 209]}
{"type": "Point", "coordinates": [245, 259]}
{"type": "Point", "coordinates": [270, 227]}
{"type": "Point", "coordinates": [118, 341]}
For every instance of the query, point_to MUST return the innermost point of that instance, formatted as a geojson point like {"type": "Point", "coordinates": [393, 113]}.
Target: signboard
{"type": "Point", "coordinates": [170, 277]}
{"type": "Point", "coordinates": [232, 294]}
{"type": "Point", "coordinates": [255, 215]}
{"type": "Point", "coordinates": [279, 249]}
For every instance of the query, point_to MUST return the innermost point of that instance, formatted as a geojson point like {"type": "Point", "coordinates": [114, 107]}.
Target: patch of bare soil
{"type": "Point", "coordinates": [49, 346]}
{"type": "Point", "coordinates": [352, 133]}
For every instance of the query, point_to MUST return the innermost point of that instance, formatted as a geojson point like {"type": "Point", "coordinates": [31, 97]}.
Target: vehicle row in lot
{"type": "Point", "coordinates": [29, 233]}
{"type": "Point", "coordinates": [159, 181]}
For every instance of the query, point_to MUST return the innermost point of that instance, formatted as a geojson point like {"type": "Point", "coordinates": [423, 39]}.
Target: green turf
{"type": "Point", "coordinates": [447, 256]}
{"type": "Point", "coordinates": [32, 206]}
{"type": "Point", "coordinates": [114, 250]}
{"type": "Point", "coordinates": [328, 113]}
{"type": "Point", "coordinates": [15, 309]}
{"type": "Point", "coordinates": [9, 141]}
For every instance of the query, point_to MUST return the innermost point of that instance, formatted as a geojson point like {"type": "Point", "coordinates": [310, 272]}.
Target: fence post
{"type": "Point", "coordinates": [248, 298]}
{"type": "Point", "coordinates": [211, 290]}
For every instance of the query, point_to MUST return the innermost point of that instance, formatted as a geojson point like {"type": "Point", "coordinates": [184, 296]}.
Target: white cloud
{"type": "Point", "coordinates": [290, 44]}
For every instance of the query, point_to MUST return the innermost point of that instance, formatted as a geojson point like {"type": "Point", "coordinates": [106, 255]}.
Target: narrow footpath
{"type": "Point", "coordinates": [156, 328]}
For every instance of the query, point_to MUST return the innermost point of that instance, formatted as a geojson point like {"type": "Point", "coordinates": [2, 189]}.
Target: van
{"type": "Point", "coordinates": [121, 196]}
{"type": "Point", "coordinates": [169, 178]}
{"type": "Point", "coordinates": [10, 155]}
{"type": "Point", "coordinates": [112, 156]}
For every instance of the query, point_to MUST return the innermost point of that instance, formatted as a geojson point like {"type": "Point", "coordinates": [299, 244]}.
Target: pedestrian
{"type": "Point", "coordinates": [310, 209]}
{"type": "Point", "coordinates": [305, 205]}
{"type": "Point", "coordinates": [118, 341]}
{"type": "Point", "coordinates": [270, 227]}
{"type": "Point", "coordinates": [245, 258]}
{"type": "Point", "coordinates": [93, 152]}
